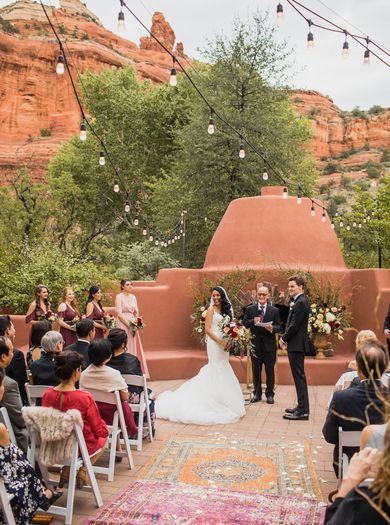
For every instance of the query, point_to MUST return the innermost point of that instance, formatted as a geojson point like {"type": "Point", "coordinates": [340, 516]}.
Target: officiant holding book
{"type": "Point", "coordinates": [264, 322]}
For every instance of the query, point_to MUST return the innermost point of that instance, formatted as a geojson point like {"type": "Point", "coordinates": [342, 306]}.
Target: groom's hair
{"type": "Point", "coordinates": [298, 279]}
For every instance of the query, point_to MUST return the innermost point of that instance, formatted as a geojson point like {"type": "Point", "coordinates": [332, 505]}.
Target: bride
{"type": "Point", "coordinates": [213, 396]}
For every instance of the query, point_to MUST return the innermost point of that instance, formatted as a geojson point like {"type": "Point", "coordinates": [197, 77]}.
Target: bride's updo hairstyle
{"type": "Point", "coordinates": [226, 307]}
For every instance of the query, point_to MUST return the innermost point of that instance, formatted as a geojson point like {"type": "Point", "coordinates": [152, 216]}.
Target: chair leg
{"type": "Point", "coordinates": [71, 488]}
{"type": "Point", "coordinates": [114, 440]}
{"type": "Point", "coordinates": [149, 419]}
{"type": "Point", "coordinates": [92, 478]}
{"type": "Point", "coordinates": [126, 440]}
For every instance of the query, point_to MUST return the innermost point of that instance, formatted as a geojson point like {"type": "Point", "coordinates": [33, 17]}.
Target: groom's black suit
{"type": "Point", "coordinates": [297, 340]}
{"type": "Point", "coordinates": [265, 346]}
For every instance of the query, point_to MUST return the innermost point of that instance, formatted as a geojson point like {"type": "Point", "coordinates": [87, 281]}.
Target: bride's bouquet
{"type": "Point", "coordinates": [136, 323]}
{"type": "Point", "coordinates": [239, 337]}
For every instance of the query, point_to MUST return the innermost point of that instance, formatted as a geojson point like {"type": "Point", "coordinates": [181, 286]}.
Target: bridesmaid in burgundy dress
{"type": "Point", "coordinates": [39, 307]}
{"type": "Point", "coordinates": [95, 311]}
{"type": "Point", "coordinates": [67, 315]}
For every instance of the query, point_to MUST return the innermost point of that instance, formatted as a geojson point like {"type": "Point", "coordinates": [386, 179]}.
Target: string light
{"type": "Point", "coordinates": [102, 158]}
{"type": "Point", "coordinates": [354, 224]}
{"type": "Point", "coordinates": [121, 18]}
{"type": "Point", "coordinates": [341, 223]}
{"type": "Point", "coordinates": [173, 77]}
{"type": "Point", "coordinates": [211, 125]}
{"type": "Point", "coordinates": [359, 225]}
{"type": "Point", "coordinates": [241, 153]}
{"type": "Point", "coordinates": [127, 206]}
{"type": "Point", "coordinates": [310, 36]}
{"type": "Point", "coordinates": [265, 173]}
{"type": "Point", "coordinates": [312, 209]}
{"type": "Point", "coordinates": [332, 224]}
{"type": "Point", "coordinates": [136, 221]}
{"type": "Point", "coordinates": [285, 192]}
{"type": "Point", "coordinates": [279, 13]}
{"type": "Point", "coordinates": [366, 59]}
{"type": "Point", "coordinates": [299, 196]}
{"type": "Point", "coordinates": [144, 231]}
{"type": "Point", "coordinates": [116, 186]}
{"type": "Point", "coordinates": [83, 131]}
{"type": "Point", "coordinates": [323, 217]}
{"type": "Point", "coordinates": [150, 238]}
{"type": "Point", "coordinates": [60, 68]}
{"type": "Point", "coordinates": [156, 242]}
{"type": "Point", "coordinates": [345, 52]}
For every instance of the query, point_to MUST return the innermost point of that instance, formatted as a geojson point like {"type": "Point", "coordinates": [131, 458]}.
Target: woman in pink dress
{"type": "Point", "coordinates": [67, 315]}
{"type": "Point", "coordinates": [95, 311]}
{"type": "Point", "coordinates": [127, 309]}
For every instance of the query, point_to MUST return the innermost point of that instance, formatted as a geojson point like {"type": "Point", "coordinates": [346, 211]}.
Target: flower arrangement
{"type": "Point", "coordinates": [329, 320]}
{"type": "Point", "coordinates": [198, 319]}
{"type": "Point", "coordinates": [109, 321]}
{"type": "Point", "coordinates": [238, 337]}
{"type": "Point", "coordinates": [137, 323]}
{"type": "Point", "coordinates": [74, 321]}
{"type": "Point", "coordinates": [48, 316]}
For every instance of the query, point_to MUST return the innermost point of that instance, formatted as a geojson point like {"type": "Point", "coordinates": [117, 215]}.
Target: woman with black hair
{"type": "Point", "coordinates": [213, 396]}
{"type": "Point", "coordinates": [38, 330]}
{"type": "Point", "coordinates": [95, 311]}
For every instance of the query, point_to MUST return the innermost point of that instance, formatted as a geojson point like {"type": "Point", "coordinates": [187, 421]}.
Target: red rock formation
{"type": "Point", "coordinates": [335, 131]}
{"type": "Point", "coordinates": [163, 31]}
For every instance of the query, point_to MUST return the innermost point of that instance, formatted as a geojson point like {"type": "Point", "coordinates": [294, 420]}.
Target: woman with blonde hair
{"type": "Point", "coordinates": [68, 315]}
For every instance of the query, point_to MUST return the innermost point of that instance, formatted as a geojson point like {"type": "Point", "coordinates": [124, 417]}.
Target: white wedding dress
{"type": "Point", "coordinates": [212, 397]}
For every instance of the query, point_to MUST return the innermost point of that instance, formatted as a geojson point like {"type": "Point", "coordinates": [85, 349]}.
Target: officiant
{"type": "Point", "coordinates": [264, 322]}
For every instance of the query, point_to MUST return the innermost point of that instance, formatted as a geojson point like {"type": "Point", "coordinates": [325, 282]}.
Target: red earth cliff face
{"type": "Point", "coordinates": [33, 98]}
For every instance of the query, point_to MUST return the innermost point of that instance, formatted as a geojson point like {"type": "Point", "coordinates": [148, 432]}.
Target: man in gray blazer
{"type": "Point", "coordinates": [11, 399]}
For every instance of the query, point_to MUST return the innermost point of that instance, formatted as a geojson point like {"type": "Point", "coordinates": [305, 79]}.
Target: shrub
{"type": "Point", "coordinates": [331, 167]}
{"type": "Point", "coordinates": [376, 110]}
{"type": "Point", "coordinates": [45, 132]}
{"type": "Point", "coordinates": [347, 153]}
{"type": "Point", "coordinates": [339, 199]}
{"type": "Point", "coordinates": [358, 113]}
{"type": "Point", "coordinates": [385, 155]}
{"type": "Point", "coordinates": [7, 27]}
{"type": "Point", "coordinates": [85, 36]}
{"type": "Point", "coordinates": [345, 182]}
{"type": "Point", "coordinates": [324, 188]}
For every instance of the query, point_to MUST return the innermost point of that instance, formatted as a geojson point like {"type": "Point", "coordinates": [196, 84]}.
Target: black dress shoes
{"type": "Point", "coordinates": [296, 416]}
{"type": "Point", "coordinates": [270, 400]}
{"type": "Point", "coordinates": [291, 410]}
{"type": "Point", "coordinates": [255, 399]}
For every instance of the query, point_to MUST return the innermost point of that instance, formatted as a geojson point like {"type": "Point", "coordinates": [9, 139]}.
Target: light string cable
{"type": "Point", "coordinates": [215, 113]}
{"type": "Point", "coordinates": [338, 29]}
{"type": "Point", "coordinates": [83, 115]}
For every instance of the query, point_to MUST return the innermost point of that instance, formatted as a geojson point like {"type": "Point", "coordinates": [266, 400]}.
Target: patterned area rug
{"type": "Point", "coordinates": [166, 503]}
{"type": "Point", "coordinates": [267, 467]}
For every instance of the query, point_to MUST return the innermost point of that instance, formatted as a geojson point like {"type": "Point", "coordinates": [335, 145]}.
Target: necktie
{"type": "Point", "coordinates": [261, 313]}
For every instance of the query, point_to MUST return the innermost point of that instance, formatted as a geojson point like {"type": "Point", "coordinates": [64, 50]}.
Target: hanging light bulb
{"type": "Point", "coordinates": [127, 206]}
{"type": "Point", "coordinates": [121, 18]}
{"type": "Point", "coordinates": [144, 232]}
{"type": "Point", "coordinates": [345, 52]}
{"type": "Point", "coordinates": [310, 36]}
{"type": "Point", "coordinates": [299, 196]}
{"type": "Point", "coordinates": [312, 210]}
{"type": "Point", "coordinates": [60, 68]}
{"type": "Point", "coordinates": [332, 224]}
{"type": "Point", "coordinates": [366, 59]}
{"type": "Point", "coordinates": [241, 153]}
{"type": "Point", "coordinates": [341, 224]}
{"type": "Point", "coordinates": [169, 241]}
{"type": "Point", "coordinates": [368, 218]}
{"type": "Point", "coordinates": [136, 221]}
{"type": "Point", "coordinates": [165, 244]}
{"type": "Point", "coordinates": [173, 241]}
{"type": "Point", "coordinates": [285, 192]}
{"type": "Point", "coordinates": [323, 217]}
{"type": "Point", "coordinates": [348, 227]}
{"type": "Point", "coordinates": [150, 238]}
{"type": "Point", "coordinates": [173, 77]}
{"type": "Point", "coordinates": [102, 158]}
{"type": "Point", "coordinates": [354, 224]}
{"type": "Point", "coordinates": [83, 131]}
{"type": "Point", "coordinates": [116, 186]}
{"type": "Point", "coordinates": [359, 225]}
{"type": "Point", "coordinates": [211, 126]}
{"type": "Point", "coordinates": [156, 242]}
{"type": "Point", "coordinates": [279, 13]}
{"type": "Point", "coordinates": [364, 220]}
{"type": "Point", "coordinates": [265, 173]}
{"type": "Point", "coordinates": [161, 243]}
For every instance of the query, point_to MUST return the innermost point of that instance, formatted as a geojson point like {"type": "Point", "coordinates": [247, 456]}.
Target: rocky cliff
{"type": "Point", "coordinates": [38, 111]}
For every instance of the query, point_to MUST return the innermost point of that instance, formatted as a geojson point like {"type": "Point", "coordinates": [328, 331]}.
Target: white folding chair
{"type": "Point", "coordinates": [118, 426]}
{"type": "Point", "coordinates": [347, 438]}
{"type": "Point", "coordinates": [35, 393]}
{"type": "Point", "coordinates": [141, 407]}
{"type": "Point", "coordinates": [4, 418]}
{"type": "Point", "coordinates": [6, 508]}
{"type": "Point", "coordinates": [75, 462]}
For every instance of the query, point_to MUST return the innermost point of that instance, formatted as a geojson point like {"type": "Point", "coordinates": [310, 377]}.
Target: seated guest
{"type": "Point", "coordinates": [373, 435]}
{"type": "Point", "coordinates": [38, 330]}
{"type": "Point", "coordinates": [359, 503]}
{"type": "Point", "coordinates": [85, 331]}
{"type": "Point", "coordinates": [67, 367]}
{"type": "Point", "coordinates": [99, 376]}
{"type": "Point", "coordinates": [16, 370]}
{"type": "Point", "coordinates": [354, 408]}
{"type": "Point", "coordinates": [127, 363]}
{"type": "Point", "coordinates": [11, 398]}
{"type": "Point", "coordinates": [42, 370]}
{"type": "Point", "coordinates": [20, 479]}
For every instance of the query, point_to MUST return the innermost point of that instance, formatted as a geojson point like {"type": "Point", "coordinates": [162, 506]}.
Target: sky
{"type": "Point", "coordinates": [349, 83]}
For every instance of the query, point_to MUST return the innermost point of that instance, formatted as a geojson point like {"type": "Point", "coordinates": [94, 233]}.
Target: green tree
{"type": "Point", "coordinates": [243, 82]}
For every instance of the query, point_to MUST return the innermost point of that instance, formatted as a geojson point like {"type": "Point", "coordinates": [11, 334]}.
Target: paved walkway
{"type": "Point", "coordinates": [262, 421]}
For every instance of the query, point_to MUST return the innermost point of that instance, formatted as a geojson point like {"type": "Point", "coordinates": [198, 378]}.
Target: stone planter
{"type": "Point", "coordinates": [320, 342]}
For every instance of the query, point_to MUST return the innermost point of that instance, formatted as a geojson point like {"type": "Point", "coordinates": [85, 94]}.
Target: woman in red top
{"type": "Point", "coordinates": [64, 397]}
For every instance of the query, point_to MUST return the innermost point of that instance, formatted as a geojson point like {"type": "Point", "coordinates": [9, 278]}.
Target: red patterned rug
{"type": "Point", "coordinates": [163, 503]}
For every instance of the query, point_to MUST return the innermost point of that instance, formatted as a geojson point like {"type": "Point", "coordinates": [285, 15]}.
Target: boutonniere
{"type": "Point", "coordinates": [291, 305]}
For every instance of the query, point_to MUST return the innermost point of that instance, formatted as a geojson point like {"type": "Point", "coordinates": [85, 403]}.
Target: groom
{"type": "Point", "coordinates": [264, 322]}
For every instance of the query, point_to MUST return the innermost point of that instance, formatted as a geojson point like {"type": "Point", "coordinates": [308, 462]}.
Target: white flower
{"type": "Point", "coordinates": [204, 314]}
{"type": "Point", "coordinates": [314, 311]}
{"type": "Point", "coordinates": [313, 306]}
{"type": "Point", "coordinates": [340, 332]}
{"type": "Point", "coordinates": [333, 309]}
{"type": "Point", "coordinates": [327, 329]}
{"type": "Point", "coordinates": [202, 308]}
{"type": "Point", "coordinates": [200, 330]}
{"type": "Point", "coordinates": [330, 317]}
{"type": "Point", "coordinates": [320, 317]}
